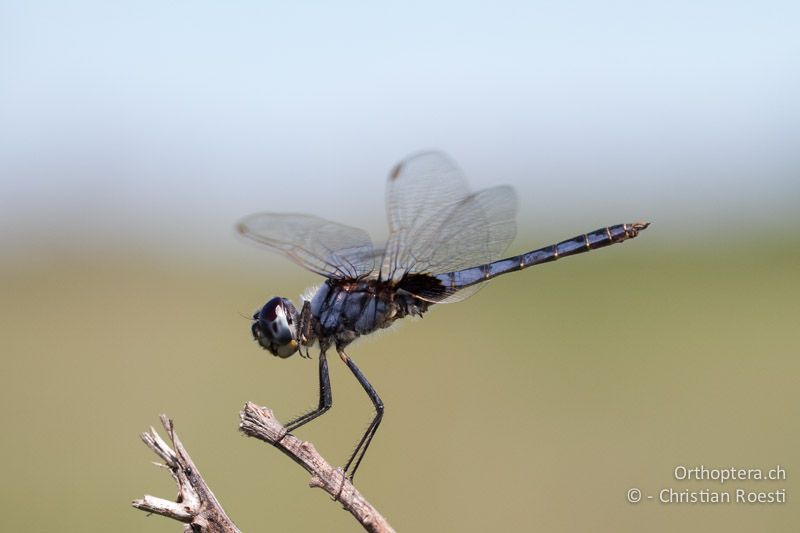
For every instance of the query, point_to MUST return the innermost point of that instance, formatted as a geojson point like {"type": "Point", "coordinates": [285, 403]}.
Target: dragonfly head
{"type": "Point", "coordinates": [275, 327]}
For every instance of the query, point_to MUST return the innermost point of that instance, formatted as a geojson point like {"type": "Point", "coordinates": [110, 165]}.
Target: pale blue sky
{"type": "Point", "coordinates": [162, 122]}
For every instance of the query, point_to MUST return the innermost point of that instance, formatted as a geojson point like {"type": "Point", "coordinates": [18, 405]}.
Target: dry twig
{"type": "Point", "coordinates": [259, 422]}
{"type": "Point", "coordinates": [199, 509]}
{"type": "Point", "coordinates": [196, 505]}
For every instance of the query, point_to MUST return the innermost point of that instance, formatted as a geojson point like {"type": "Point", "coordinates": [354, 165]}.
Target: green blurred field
{"type": "Point", "coordinates": [533, 406]}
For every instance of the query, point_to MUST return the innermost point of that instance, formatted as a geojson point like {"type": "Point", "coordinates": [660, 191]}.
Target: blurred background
{"type": "Point", "coordinates": [134, 135]}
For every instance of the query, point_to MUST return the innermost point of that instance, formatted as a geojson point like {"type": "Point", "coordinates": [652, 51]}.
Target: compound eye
{"type": "Point", "coordinates": [269, 313]}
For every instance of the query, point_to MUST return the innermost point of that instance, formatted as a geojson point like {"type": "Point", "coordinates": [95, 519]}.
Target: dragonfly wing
{"type": "Point", "coordinates": [327, 248]}
{"type": "Point", "coordinates": [437, 226]}
{"type": "Point", "coordinates": [419, 189]}
{"type": "Point", "coordinates": [475, 231]}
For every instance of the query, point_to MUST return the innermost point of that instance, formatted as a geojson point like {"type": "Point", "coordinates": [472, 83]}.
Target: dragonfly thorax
{"type": "Point", "coordinates": [343, 310]}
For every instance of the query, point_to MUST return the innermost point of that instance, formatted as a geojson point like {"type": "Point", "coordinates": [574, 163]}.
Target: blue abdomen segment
{"type": "Point", "coordinates": [599, 238]}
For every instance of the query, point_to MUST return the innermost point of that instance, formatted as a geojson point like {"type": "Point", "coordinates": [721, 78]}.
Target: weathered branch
{"type": "Point", "coordinates": [196, 505]}
{"type": "Point", "coordinates": [198, 508]}
{"type": "Point", "coordinates": [259, 422]}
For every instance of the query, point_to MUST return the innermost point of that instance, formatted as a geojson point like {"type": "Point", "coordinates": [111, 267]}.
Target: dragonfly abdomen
{"type": "Point", "coordinates": [576, 245]}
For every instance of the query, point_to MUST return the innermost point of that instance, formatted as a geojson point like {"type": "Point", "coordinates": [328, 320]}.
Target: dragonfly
{"type": "Point", "coordinates": [444, 243]}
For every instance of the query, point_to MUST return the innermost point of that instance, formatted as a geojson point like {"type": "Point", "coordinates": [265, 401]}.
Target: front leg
{"type": "Point", "coordinates": [325, 397]}
{"type": "Point", "coordinates": [306, 335]}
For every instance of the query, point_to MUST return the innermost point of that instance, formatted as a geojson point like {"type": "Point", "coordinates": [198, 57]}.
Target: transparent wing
{"type": "Point", "coordinates": [327, 248]}
{"type": "Point", "coordinates": [437, 226]}
{"type": "Point", "coordinates": [420, 188]}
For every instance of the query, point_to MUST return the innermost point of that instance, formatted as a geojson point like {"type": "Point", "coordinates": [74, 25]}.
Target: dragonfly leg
{"type": "Point", "coordinates": [325, 397]}
{"type": "Point", "coordinates": [363, 444]}
{"type": "Point", "coordinates": [305, 328]}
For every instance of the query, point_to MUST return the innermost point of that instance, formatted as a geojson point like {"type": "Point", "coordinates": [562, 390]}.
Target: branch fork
{"type": "Point", "coordinates": [198, 508]}
{"type": "Point", "coordinates": [196, 505]}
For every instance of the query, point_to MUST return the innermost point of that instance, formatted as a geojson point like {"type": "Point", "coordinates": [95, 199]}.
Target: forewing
{"type": "Point", "coordinates": [419, 188]}
{"type": "Point", "coordinates": [327, 248]}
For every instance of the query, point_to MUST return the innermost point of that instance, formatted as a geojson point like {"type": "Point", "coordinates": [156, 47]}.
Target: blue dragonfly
{"type": "Point", "coordinates": [444, 244]}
